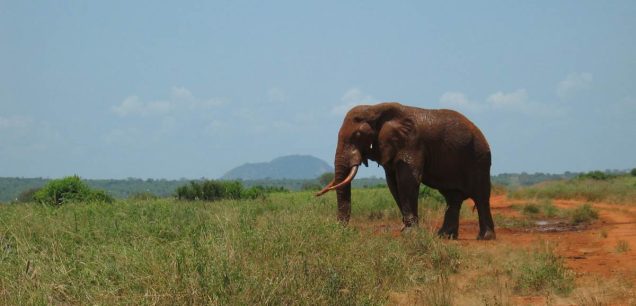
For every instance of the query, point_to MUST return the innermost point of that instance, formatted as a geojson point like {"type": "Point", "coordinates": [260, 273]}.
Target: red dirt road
{"type": "Point", "coordinates": [603, 252]}
{"type": "Point", "coordinates": [593, 251]}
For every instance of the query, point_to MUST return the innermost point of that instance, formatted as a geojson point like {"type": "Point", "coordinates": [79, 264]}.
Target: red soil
{"type": "Point", "coordinates": [592, 252]}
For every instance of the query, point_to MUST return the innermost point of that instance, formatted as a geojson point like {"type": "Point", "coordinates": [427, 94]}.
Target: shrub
{"type": "Point", "coordinates": [531, 209]}
{"type": "Point", "coordinates": [430, 193]}
{"type": "Point", "coordinates": [583, 214]}
{"type": "Point", "coordinates": [231, 190]}
{"type": "Point", "coordinates": [253, 193]}
{"type": "Point", "coordinates": [549, 210]}
{"type": "Point", "coordinates": [595, 175]}
{"type": "Point", "coordinates": [543, 208]}
{"type": "Point", "coordinates": [211, 190]}
{"type": "Point", "coordinates": [69, 189]}
{"type": "Point", "coordinates": [633, 172]}
{"type": "Point", "coordinates": [543, 271]}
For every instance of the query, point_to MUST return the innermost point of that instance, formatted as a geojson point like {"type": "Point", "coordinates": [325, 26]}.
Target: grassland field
{"type": "Point", "coordinates": [288, 249]}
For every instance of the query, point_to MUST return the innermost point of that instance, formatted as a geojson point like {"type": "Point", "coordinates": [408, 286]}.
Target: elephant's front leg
{"type": "Point", "coordinates": [407, 191]}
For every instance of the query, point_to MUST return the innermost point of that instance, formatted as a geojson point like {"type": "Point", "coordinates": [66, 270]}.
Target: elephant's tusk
{"type": "Point", "coordinates": [349, 178]}
{"type": "Point", "coordinates": [324, 190]}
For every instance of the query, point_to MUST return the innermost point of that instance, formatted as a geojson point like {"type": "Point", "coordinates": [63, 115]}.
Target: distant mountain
{"type": "Point", "coordinates": [286, 167]}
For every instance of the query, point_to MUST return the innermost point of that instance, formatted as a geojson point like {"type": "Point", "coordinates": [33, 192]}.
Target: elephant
{"type": "Point", "coordinates": [439, 148]}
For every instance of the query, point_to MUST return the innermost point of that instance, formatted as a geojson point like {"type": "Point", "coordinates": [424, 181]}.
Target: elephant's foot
{"type": "Point", "coordinates": [448, 233]}
{"type": "Point", "coordinates": [410, 221]}
{"type": "Point", "coordinates": [406, 230]}
{"type": "Point", "coordinates": [343, 220]}
{"type": "Point", "coordinates": [487, 235]}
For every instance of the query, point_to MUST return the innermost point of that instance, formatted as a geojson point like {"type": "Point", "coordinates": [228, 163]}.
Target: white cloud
{"type": "Point", "coordinates": [516, 100]}
{"type": "Point", "coordinates": [181, 93]}
{"type": "Point", "coordinates": [15, 122]}
{"type": "Point", "coordinates": [573, 83]}
{"type": "Point", "coordinates": [458, 100]}
{"type": "Point", "coordinates": [132, 105]}
{"type": "Point", "coordinates": [180, 99]}
{"type": "Point", "coordinates": [352, 97]}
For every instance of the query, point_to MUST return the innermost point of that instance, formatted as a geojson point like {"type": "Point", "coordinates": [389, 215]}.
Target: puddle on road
{"type": "Point", "coordinates": [554, 226]}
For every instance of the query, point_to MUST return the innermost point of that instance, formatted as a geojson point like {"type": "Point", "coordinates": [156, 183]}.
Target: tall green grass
{"type": "Point", "coordinates": [287, 249]}
{"type": "Point", "coordinates": [620, 189]}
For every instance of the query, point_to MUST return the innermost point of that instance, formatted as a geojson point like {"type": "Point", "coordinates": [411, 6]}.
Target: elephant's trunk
{"type": "Point", "coordinates": [346, 164]}
{"type": "Point", "coordinates": [343, 194]}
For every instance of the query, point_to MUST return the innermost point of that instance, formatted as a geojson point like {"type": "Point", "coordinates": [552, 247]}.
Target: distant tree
{"type": "Point", "coordinates": [595, 175]}
{"type": "Point", "coordinates": [70, 189]}
{"type": "Point", "coordinates": [309, 185]}
{"type": "Point", "coordinates": [633, 172]}
{"type": "Point", "coordinates": [325, 178]}
{"type": "Point", "coordinates": [213, 190]}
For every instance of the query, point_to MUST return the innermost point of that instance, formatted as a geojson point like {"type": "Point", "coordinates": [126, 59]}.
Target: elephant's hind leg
{"type": "Point", "coordinates": [486, 224]}
{"type": "Point", "coordinates": [450, 227]}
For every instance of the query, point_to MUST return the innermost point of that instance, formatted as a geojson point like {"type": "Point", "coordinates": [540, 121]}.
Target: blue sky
{"type": "Point", "coordinates": [117, 89]}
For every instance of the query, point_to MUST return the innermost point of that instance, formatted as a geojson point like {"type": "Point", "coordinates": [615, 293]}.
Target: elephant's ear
{"type": "Point", "coordinates": [393, 136]}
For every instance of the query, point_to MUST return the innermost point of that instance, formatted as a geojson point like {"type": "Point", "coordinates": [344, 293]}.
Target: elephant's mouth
{"type": "Point", "coordinates": [347, 180]}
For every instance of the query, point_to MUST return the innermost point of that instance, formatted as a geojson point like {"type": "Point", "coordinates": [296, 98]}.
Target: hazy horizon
{"type": "Point", "coordinates": [190, 90]}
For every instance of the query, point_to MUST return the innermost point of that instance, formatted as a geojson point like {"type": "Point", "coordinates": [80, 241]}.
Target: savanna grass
{"type": "Point", "coordinates": [542, 271]}
{"type": "Point", "coordinates": [285, 249]}
{"type": "Point", "coordinates": [620, 190]}
{"type": "Point", "coordinates": [544, 208]}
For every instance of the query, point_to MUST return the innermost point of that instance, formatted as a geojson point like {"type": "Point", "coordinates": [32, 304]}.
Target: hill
{"type": "Point", "coordinates": [285, 167]}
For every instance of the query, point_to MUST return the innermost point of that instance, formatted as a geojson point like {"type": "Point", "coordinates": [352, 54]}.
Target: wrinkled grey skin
{"type": "Point", "coordinates": [439, 148]}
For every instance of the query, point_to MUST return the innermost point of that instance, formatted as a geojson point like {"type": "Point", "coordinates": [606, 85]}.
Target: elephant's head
{"type": "Point", "coordinates": [366, 134]}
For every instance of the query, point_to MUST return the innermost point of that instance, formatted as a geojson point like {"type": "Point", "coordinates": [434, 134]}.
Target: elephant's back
{"type": "Point", "coordinates": [451, 131]}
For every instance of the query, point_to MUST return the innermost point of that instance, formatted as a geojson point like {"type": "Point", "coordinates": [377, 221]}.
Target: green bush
{"type": "Point", "coordinates": [548, 208]}
{"type": "Point", "coordinates": [595, 175]}
{"type": "Point", "coordinates": [633, 172]}
{"type": "Point", "coordinates": [583, 214]}
{"type": "Point", "coordinates": [539, 209]}
{"type": "Point", "coordinates": [69, 189]}
{"type": "Point", "coordinates": [430, 193]}
{"type": "Point", "coordinates": [531, 209]}
{"type": "Point", "coordinates": [212, 190]}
